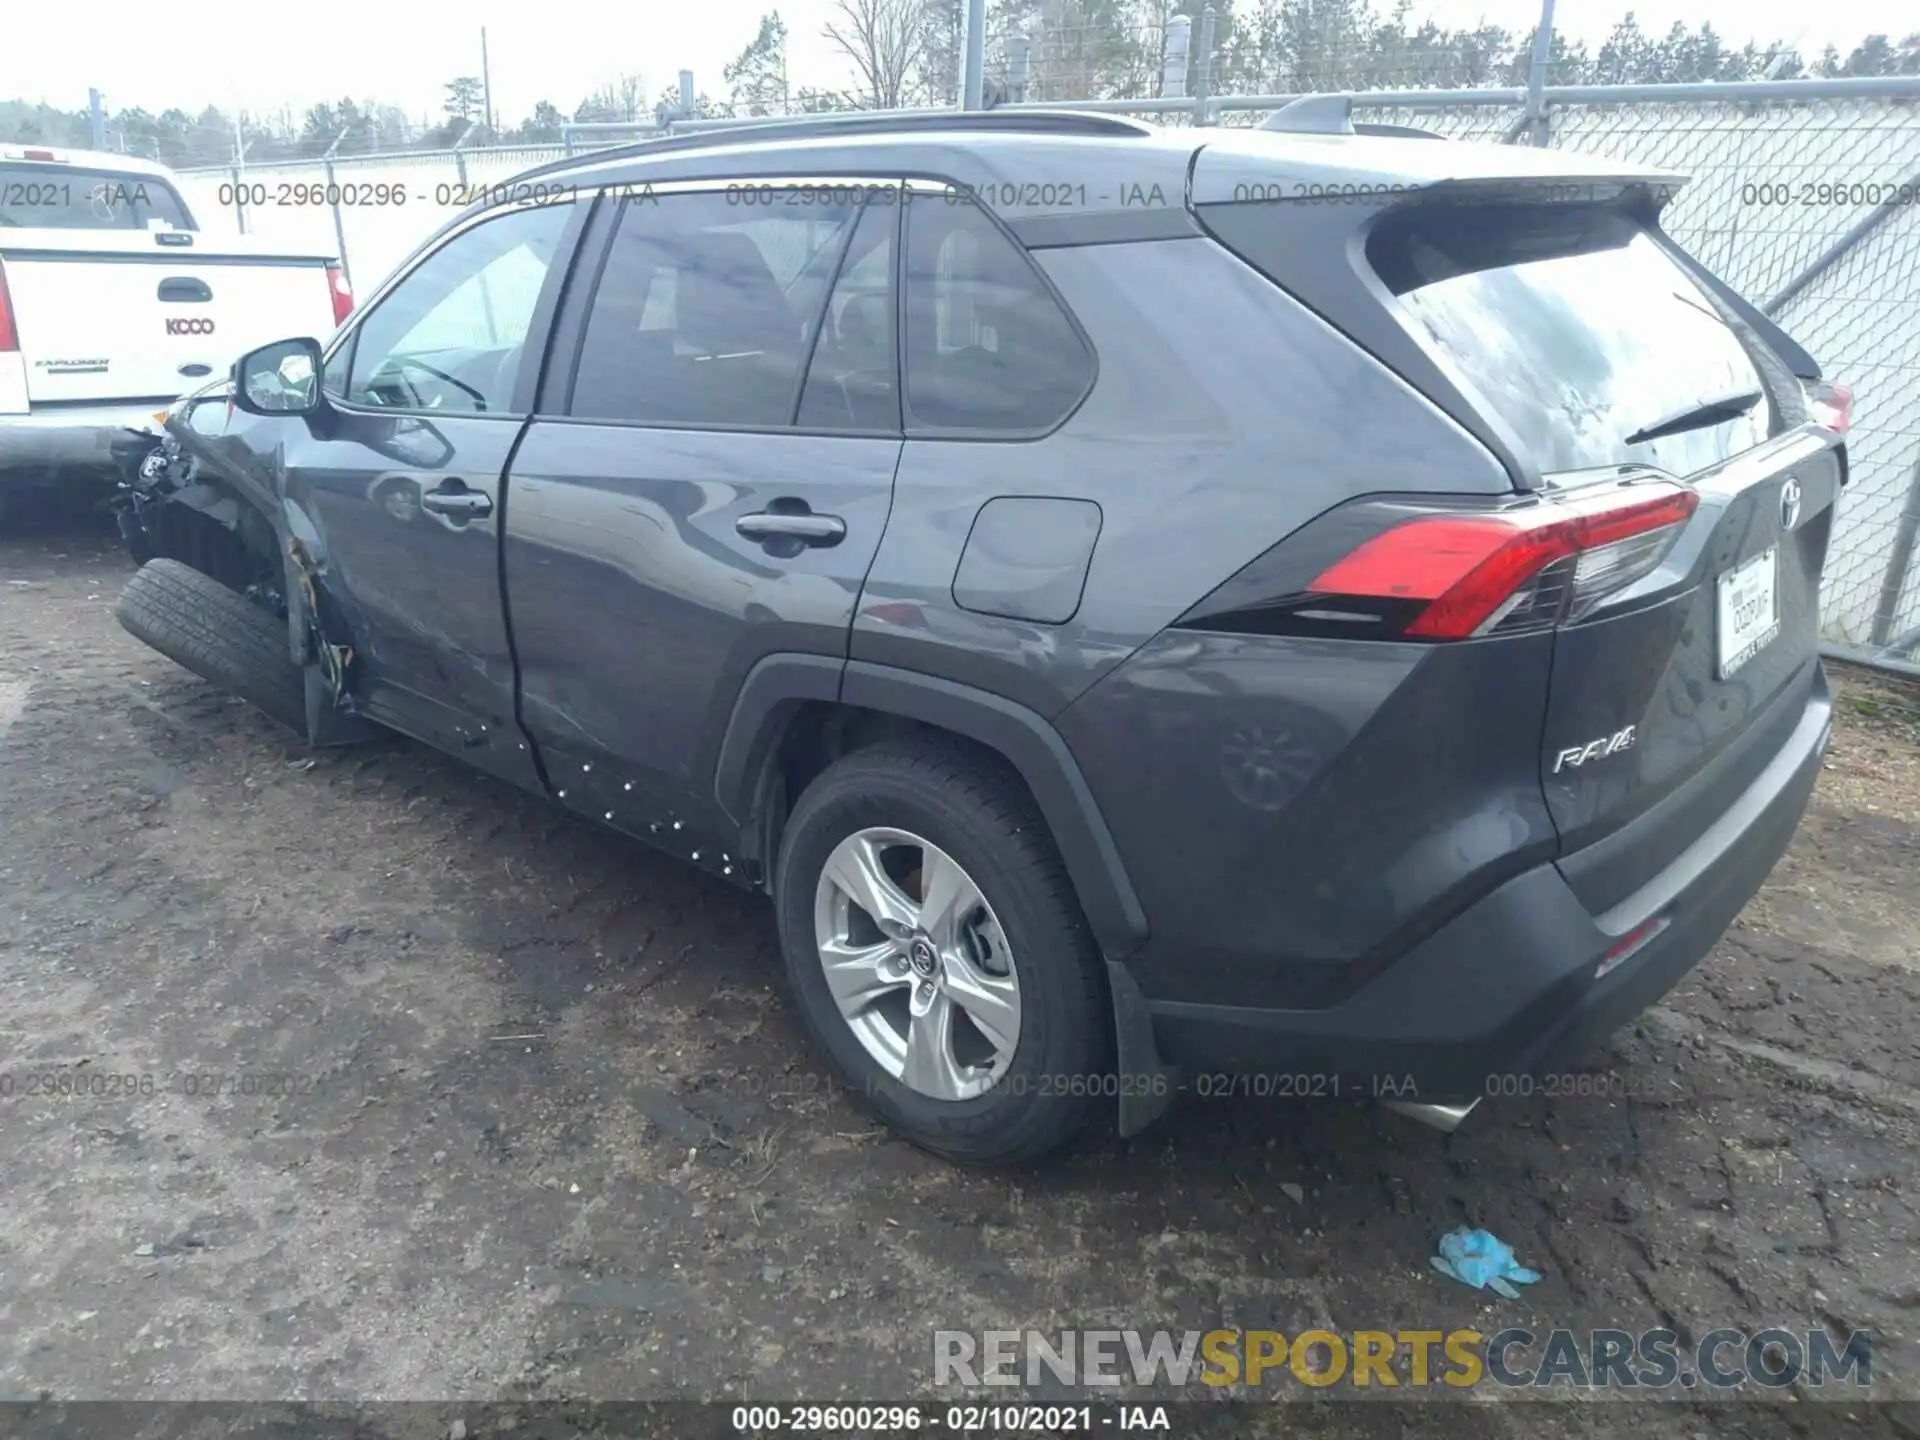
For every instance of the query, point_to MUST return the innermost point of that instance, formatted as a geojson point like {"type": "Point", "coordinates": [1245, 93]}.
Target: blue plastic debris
{"type": "Point", "coordinates": [1481, 1259]}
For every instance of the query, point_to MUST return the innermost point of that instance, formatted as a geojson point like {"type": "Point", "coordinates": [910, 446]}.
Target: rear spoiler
{"type": "Point", "coordinates": [1797, 360]}
{"type": "Point", "coordinates": [1299, 209]}
{"type": "Point", "coordinates": [1222, 176]}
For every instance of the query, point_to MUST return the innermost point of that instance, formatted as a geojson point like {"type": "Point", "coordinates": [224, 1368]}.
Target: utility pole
{"type": "Point", "coordinates": [486, 85]}
{"type": "Point", "coordinates": [239, 160]}
{"type": "Point", "coordinates": [1537, 122]}
{"type": "Point", "coordinates": [1019, 68]}
{"type": "Point", "coordinates": [1203, 71]}
{"type": "Point", "coordinates": [97, 114]}
{"type": "Point", "coordinates": [1174, 45]}
{"type": "Point", "coordinates": [974, 56]}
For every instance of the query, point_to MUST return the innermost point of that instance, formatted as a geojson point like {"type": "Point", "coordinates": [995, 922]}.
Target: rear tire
{"type": "Point", "coordinates": [936, 803]}
{"type": "Point", "coordinates": [219, 635]}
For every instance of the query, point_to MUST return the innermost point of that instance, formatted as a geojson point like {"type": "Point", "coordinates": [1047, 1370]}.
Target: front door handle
{"type": "Point", "coordinates": [453, 499]}
{"type": "Point", "coordinates": [804, 526]}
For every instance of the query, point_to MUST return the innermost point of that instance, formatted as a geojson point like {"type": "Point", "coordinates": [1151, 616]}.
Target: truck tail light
{"type": "Point", "coordinates": [1411, 570]}
{"type": "Point", "coordinates": [9, 331]}
{"type": "Point", "coordinates": [342, 293]}
{"type": "Point", "coordinates": [1831, 403]}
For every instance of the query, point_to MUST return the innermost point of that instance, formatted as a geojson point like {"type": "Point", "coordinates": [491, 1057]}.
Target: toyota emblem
{"type": "Point", "coordinates": [1790, 504]}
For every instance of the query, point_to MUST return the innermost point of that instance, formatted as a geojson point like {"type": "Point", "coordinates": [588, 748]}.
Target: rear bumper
{"type": "Point", "coordinates": [41, 443]}
{"type": "Point", "coordinates": [1508, 987]}
{"type": "Point", "coordinates": [117, 415]}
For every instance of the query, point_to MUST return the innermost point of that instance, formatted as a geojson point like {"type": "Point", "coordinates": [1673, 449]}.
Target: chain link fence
{"type": "Point", "coordinates": [1804, 195]}
{"type": "Point", "coordinates": [1813, 212]}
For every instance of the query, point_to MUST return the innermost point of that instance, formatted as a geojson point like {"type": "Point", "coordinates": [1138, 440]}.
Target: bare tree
{"type": "Point", "coordinates": [621, 99]}
{"type": "Point", "coordinates": [883, 39]}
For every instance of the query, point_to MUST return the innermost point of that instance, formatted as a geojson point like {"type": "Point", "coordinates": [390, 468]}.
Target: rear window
{"type": "Point", "coordinates": [60, 197]}
{"type": "Point", "coordinates": [1577, 329]}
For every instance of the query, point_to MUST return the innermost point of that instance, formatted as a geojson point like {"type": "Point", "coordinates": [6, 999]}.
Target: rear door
{"type": "Point", "coordinates": [1604, 360]}
{"type": "Point", "coordinates": [709, 484]}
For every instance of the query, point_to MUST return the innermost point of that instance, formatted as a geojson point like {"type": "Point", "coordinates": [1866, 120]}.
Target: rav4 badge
{"type": "Point", "coordinates": [1606, 745]}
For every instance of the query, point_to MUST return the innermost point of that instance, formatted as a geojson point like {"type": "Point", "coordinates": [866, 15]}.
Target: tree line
{"type": "Point", "coordinates": [908, 52]}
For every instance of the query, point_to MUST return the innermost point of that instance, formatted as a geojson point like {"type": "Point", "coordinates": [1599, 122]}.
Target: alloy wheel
{"type": "Point", "coordinates": [917, 963]}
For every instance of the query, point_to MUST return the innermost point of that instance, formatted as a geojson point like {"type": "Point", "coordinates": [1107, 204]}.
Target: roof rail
{"type": "Point", "coordinates": [1029, 122]}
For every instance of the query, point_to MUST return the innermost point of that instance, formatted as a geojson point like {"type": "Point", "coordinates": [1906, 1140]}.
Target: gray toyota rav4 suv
{"type": "Point", "coordinates": [1325, 607]}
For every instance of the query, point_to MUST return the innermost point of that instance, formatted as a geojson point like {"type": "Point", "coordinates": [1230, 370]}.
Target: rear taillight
{"type": "Point", "coordinates": [9, 332]}
{"type": "Point", "coordinates": [1831, 403]}
{"type": "Point", "coordinates": [1521, 568]}
{"type": "Point", "coordinates": [342, 293]}
{"type": "Point", "coordinates": [1407, 569]}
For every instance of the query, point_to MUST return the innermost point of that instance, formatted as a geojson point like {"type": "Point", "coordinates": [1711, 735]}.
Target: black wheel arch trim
{"type": "Point", "coordinates": [774, 688]}
{"type": "Point", "coordinates": [779, 684]}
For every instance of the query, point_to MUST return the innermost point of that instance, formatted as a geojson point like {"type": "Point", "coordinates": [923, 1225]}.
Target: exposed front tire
{"type": "Point", "coordinates": [220, 635]}
{"type": "Point", "coordinates": [939, 955]}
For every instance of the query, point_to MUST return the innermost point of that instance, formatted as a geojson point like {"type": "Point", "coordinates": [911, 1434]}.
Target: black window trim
{"type": "Point", "coordinates": [554, 404]}
{"type": "Point", "coordinates": [826, 308]}
{"type": "Point", "coordinates": [539, 326]}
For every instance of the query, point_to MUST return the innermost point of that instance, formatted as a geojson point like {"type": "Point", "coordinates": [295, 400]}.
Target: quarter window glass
{"type": "Point", "coordinates": [452, 335]}
{"type": "Point", "coordinates": [704, 316]}
{"type": "Point", "coordinates": [988, 346]}
{"type": "Point", "coordinates": [852, 383]}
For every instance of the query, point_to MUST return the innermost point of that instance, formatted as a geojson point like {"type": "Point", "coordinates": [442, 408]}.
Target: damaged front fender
{"type": "Point", "coordinates": [178, 502]}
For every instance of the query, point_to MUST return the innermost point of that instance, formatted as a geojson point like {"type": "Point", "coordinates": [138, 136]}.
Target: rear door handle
{"type": "Point", "coordinates": [453, 499]}
{"type": "Point", "coordinates": [805, 527]}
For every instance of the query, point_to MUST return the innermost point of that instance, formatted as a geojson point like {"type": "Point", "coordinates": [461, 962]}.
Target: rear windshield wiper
{"type": "Point", "coordinates": [1699, 415]}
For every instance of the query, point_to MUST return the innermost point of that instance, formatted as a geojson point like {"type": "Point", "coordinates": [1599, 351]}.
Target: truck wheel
{"type": "Point", "coordinates": [939, 955]}
{"type": "Point", "coordinates": [220, 635]}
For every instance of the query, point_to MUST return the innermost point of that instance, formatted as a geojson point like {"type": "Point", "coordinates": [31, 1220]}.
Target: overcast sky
{"type": "Point", "coordinates": [562, 50]}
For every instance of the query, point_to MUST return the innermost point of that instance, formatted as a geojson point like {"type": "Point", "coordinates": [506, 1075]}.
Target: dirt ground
{"type": "Point", "coordinates": [452, 1096]}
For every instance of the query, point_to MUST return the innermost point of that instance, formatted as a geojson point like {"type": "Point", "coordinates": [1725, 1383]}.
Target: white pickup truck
{"type": "Point", "coordinates": [113, 303]}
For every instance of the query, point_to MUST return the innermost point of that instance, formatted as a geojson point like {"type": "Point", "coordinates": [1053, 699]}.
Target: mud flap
{"type": "Point", "coordinates": [1147, 1085]}
{"type": "Point", "coordinates": [327, 723]}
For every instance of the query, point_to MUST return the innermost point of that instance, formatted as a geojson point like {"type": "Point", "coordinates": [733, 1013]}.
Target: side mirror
{"type": "Point", "coordinates": [280, 379]}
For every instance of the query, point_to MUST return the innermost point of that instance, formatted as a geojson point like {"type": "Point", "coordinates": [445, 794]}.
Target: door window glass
{"type": "Point", "coordinates": [452, 335]}
{"type": "Point", "coordinates": [704, 315]}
